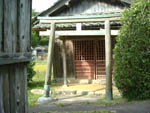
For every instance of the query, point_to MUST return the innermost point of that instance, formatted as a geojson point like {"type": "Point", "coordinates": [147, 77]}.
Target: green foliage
{"type": "Point", "coordinates": [43, 41]}
{"type": "Point", "coordinates": [35, 39]}
{"type": "Point", "coordinates": [35, 36]}
{"type": "Point", "coordinates": [34, 13]}
{"type": "Point", "coordinates": [30, 71]}
{"type": "Point", "coordinates": [132, 52]}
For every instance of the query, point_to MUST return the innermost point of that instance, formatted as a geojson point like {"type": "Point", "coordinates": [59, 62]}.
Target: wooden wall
{"type": "Point", "coordinates": [58, 62]}
{"type": "Point", "coordinates": [15, 47]}
{"type": "Point", "coordinates": [86, 7]}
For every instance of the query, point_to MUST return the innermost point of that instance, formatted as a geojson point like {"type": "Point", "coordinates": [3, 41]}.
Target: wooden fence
{"type": "Point", "coordinates": [15, 42]}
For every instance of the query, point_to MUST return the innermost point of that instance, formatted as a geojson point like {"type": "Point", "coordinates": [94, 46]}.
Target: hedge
{"type": "Point", "coordinates": [132, 52]}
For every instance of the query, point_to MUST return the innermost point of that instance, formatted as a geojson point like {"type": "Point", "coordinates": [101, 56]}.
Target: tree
{"type": "Point", "coordinates": [35, 36]}
{"type": "Point", "coordinates": [36, 39]}
{"type": "Point", "coordinates": [132, 52]}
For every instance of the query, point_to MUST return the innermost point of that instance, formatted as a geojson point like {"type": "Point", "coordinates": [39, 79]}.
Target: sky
{"type": "Point", "coordinates": [41, 5]}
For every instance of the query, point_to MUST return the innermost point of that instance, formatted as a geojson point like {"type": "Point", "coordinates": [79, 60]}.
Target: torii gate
{"type": "Point", "coordinates": [80, 19]}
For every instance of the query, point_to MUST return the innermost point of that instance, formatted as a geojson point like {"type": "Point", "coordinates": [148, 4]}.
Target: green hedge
{"type": "Point", "coordinates": [132, 52]}
{"type": "Point", "coordinates": [30, 71]}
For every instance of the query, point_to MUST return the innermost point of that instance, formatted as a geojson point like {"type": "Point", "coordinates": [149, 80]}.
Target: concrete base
{"type": "Point", "coordinates": [44, 100]}
{"type": "Point", "coordinates": [65, 86]}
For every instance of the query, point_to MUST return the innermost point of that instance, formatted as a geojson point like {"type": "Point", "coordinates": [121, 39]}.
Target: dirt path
{"type": "Point", "coordinates": [88, 103]}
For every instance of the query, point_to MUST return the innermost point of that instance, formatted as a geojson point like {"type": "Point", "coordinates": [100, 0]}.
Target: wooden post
{"type": "Point", "coordinates": [49, 61]}
{"type": "Point", "coordinates": [108, 61]}
{"type": "Point", "coordinates": [64, 64]}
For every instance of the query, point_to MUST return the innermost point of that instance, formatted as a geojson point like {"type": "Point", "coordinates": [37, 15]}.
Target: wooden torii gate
{"type": "Point", "coordinates": [80, 19]}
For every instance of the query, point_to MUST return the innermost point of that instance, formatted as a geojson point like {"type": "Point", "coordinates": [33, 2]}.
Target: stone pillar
{"type": "Point", "coordinates": [108, 61]}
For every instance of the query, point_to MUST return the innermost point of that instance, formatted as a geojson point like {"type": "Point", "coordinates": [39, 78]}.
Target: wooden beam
{"type": "Point", "coordinates": [64, 63]}
{"type": "Point", "coordinates": [80, 19]}
{"type": "Point", "coordinates": [11, 58]}
{"type": "Point", "coordinates": [49, 60]}
{"type": "Point", "coordinates": [108, 61]}
{"type": "Point", "coordinates": [80, 33]}
{"type": "Point", "coordinates": [4, 61]}
{"type": "Point", "coordinates": [15, 55]}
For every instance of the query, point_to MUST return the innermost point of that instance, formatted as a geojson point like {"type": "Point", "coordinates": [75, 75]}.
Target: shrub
{"type": "Point", "coordinates": [30, 71]}
{"type": "Point", "coordinates": [132, 52]}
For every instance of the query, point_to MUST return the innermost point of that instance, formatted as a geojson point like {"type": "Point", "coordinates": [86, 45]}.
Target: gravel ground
{"type": "Point", "coordinates": [89, 103]}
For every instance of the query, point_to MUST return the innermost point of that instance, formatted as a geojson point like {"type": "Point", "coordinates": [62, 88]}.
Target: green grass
{"type": "Point", "coordinates": [38, 82]}
{"type": "Point", "coordinates": [32, 98]}
{"type": "Point", "coordinates": [83, 112]}
{"type": "Point", "coordinates": [40, 66]}
{"type": "Point", "coordinates": [116, 100]}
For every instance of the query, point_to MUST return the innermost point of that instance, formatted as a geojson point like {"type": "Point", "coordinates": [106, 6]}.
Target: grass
{"type": "Point", "coordinates": [116, 100]}
{"type": "Point", "coordinates": [40, 67]}
{"type": "Point", "coordinates": [38, 82]}
{"type": "Point", "coordinates": [83, 112]}
{"type": "Point", "coordinates": [32, 98]}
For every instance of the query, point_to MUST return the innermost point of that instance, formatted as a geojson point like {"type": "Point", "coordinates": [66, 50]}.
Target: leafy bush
{"type": "Point", "coordinates": [44, 40]}
{"type": "Point", "coordinates": [35, 39]}
{"type": "Point", "coordinates": [132, 52]}
{"type": "Point", "coordinates": [30, 71]}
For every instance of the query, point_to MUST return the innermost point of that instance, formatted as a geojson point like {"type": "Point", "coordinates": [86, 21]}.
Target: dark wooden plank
{"type": "Point", "coordinates": [27, 12]}
{"type": "Point", "coordinates": [25, 88]}
{"type": "Point", "coordinates": [6, 89]}
{"type": "Point", "coordinates": [29, 23]}
{"type": "Point", "coordinates": [4, 61]}
{"type": "Point", "coordinates": [14, 24]}
{"type": "Point", "coordinates": [18, 92]}
{"type": "Point", "coordinates": [24, 28]}
{"type": "Point", "coordinates": [1, 93]}
{"type": "Point", "coordinates": [12, 86]}
{"type": "Point", "coordinates": [13, 55]}
{"type": "Point", "coordinates": [21, 25]}
{"type": "Point", "coordinates": [10, 32]}
{"type": "Point", "coordinates": [1, 20]}
{"type": "Point", "coordinates": [22, 87]}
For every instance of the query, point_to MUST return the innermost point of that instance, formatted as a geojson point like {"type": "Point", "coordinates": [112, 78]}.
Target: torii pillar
{"type": "Point", "coordinates": [46, 98]}
{"type": "Point", "coordinates": [108, 61]}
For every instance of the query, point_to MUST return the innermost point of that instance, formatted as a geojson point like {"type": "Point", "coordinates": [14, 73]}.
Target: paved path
{"type": "Point", "coordinates": [88, 103]}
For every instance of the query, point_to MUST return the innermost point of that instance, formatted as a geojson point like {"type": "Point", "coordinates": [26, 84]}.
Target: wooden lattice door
{"type": "Point", "coordinates": [90, 58]}
{"type": "Point", "coordinates": [84, 59]}
{"type": "Point", "coordinates": [100, 59]}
